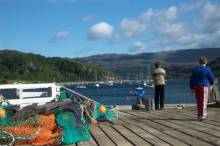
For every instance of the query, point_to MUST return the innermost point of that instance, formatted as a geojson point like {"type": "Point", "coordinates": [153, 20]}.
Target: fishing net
{"type": "Point", "coordinates": [72, 132]}
{"type": "Point", "coordinates": [5, 121]}
{"type": "Point", "coordinates": [107, 115]}
{"type": "Point", "coordinates": [66, 120]}
{"type": "Point", "coordinates": [63, 95]}
{"type": "Point", "coordinates": [6, 138]}
{"type": "Point", "coordinates": [44, 131]}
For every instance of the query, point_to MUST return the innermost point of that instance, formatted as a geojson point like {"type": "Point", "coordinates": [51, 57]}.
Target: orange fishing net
{"type": "Point", "coordinates": [44, 132]}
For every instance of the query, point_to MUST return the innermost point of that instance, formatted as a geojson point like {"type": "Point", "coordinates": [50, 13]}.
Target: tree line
{"type": "Point", "coordinates": [16, 66]}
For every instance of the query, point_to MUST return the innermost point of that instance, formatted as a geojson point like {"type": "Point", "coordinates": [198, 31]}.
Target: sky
{"type": "Point", "coordinates": [80, 28]}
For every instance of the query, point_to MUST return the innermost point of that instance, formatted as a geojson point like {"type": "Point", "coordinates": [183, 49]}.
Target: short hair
{"type": "Point", "coordinates": [157, 64]}
{"type": "Point", "coordinates": [203, 60]}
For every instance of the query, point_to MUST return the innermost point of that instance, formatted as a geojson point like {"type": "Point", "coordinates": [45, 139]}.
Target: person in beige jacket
{"type": "Point", "coordinates": [159, 76]}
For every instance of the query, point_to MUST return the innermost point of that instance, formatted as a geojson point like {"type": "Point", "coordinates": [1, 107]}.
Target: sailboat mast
{"type": "Point", "coordinates": [148, 79]}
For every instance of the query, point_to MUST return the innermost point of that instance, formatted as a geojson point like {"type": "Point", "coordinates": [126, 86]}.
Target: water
{"type": "Point", "coordinates": [176, 91]}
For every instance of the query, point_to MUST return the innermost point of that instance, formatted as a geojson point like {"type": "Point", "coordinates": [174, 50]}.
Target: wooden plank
{"type": "Point", "coordinates": [209, 131]}
{"type": "Point", "coordinates": [192, 133]}
{"type": "Point", "coordinates": [145, 115]}
{"type": "Point", "coordinates": [186, 138]}
{"type": "Point", "coordinates": [193, 130]}
{"type": "Point", "coordinates": [100, 137]}
{"type": "Point", "coordinates": [186, 119]}
{"type": "Point", "coordinates": [145, 121]}
{"type": "Point", "coordinates": [132, 137]}
{"type": "Point", "coordinates": [212, 119]}
{"type": "Point", "coordinates": [91, 142]}
{"type": "Point", "coordinates": [203, 130]}
{"type": "Point", "coordinates": [118, 122]}
{"type": "Point", "coordinates": [204, 136]}
{"type": "Point", "coordinates": [195, 141]}
{"type": "Point", "coordinates": [205, 123]}
{"type": "Point", "coordinates": [147, 136]}
{"type": "Point", "coordinates": [211, 116]}
{"type": "Point", "coordinates": [163, 136]}
{"type": "Point", "coordinates": [156, 132]}
{"type": "Point", "coordinates": [200, 126]}
{"type": "Point", "coordinates": [115, 136]}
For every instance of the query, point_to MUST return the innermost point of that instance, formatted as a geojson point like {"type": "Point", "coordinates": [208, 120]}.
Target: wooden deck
{"type": "Point", "coordinates": [161, 128]}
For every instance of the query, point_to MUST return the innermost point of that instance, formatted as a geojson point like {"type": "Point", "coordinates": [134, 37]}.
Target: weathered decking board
{"type": "Point", "coordinates": [161, 128]}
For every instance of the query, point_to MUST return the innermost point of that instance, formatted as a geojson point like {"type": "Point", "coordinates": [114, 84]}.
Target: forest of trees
{"type": "Point", "coordinates": [17, 66]}
{"type": "Point", "coordinates": [27, 67]}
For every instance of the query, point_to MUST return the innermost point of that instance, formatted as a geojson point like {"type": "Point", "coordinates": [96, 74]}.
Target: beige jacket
{"type": "Point", "coordinates": [159, 76]}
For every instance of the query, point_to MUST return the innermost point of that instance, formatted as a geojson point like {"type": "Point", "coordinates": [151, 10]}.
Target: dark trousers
{"type": "Point", "coordinates": [159, 96]}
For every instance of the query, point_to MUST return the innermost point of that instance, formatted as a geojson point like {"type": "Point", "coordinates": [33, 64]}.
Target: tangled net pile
{"type": "Point", "coordinates": [64, 121]}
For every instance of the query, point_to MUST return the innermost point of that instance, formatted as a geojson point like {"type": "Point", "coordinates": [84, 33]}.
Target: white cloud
{"type": "Point", "coordinates": [150, 46]}
{"type": "Point", "coordinates": [132, 28]}
{"type": "Point", "coordinates": [88, 18]}
{"type": "Point", "coordinates": [147, 21]}
{"type": "Point", "coordinates": [101, 30]}
{"type": "Point", "coordinates": [165, 29]}
{"type": "Point", "coordinates": [211, 12]}
{"type": "Point", "coordinates": [192, 6]}
{"type": "Point", "coordinates": [171, 29]}
{"type": "Point", "coordinates": [171, 13]}
{"type": "Point", "coordinates": [62, 35]}
{"type": "Point", "coordinates": [211, 18]}
{"type": "Point", "coordinates": [139, 46]}
{"type": "Point", "coordinates": [208, 35]}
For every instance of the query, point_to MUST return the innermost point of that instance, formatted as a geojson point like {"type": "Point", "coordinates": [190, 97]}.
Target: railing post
{"type": "Point", "coordinates": [217, 92]}
{"type": "Point", "coordinates": [214, 93]}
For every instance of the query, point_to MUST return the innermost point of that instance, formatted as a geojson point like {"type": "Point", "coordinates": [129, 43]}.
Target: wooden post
{"type": "Point", "coordinates": [217, 92]}
{"type": "Point", "coordinates": [139, 104]}
{"type": "Point", "coordinates": [149, 104]}
{"type": "Point", "coordinates": [152, 105]}
{"type": "Point", "coordinates": [214, 93]}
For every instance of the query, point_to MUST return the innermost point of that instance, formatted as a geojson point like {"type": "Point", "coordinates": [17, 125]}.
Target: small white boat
{"type": "Point", "coordinates": [97, 85]}
{"type": "Point", "coordinates": [148, 84]}
{"type": "Point", "coordinates": [110, 83]}
{"type": "Point", "coordinates": [80, 87]}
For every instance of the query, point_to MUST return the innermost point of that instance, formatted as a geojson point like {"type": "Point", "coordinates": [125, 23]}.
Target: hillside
{"type": "Point", "coordinates": [18, 66]}
{"type": "Point", "coordinates": [178, 63]}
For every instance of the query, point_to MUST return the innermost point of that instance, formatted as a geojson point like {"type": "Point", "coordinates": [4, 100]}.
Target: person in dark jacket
{"type": "Point", "coordinates": [200, 79]}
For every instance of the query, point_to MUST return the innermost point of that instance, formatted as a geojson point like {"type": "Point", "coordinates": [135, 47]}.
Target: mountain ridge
{"type": "Point", "coordinates": [179, 63]}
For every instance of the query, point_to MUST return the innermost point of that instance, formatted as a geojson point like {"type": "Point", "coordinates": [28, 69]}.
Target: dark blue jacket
{"type": "Point", "coordinates": [201, 76]}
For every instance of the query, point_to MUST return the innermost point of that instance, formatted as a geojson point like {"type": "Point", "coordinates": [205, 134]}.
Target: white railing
{"type": "Point", "coordinates": [24, 98]}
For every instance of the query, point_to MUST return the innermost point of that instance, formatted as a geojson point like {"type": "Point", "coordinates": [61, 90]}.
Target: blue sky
{"type": "Point", "coordinates": [78, 28]}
